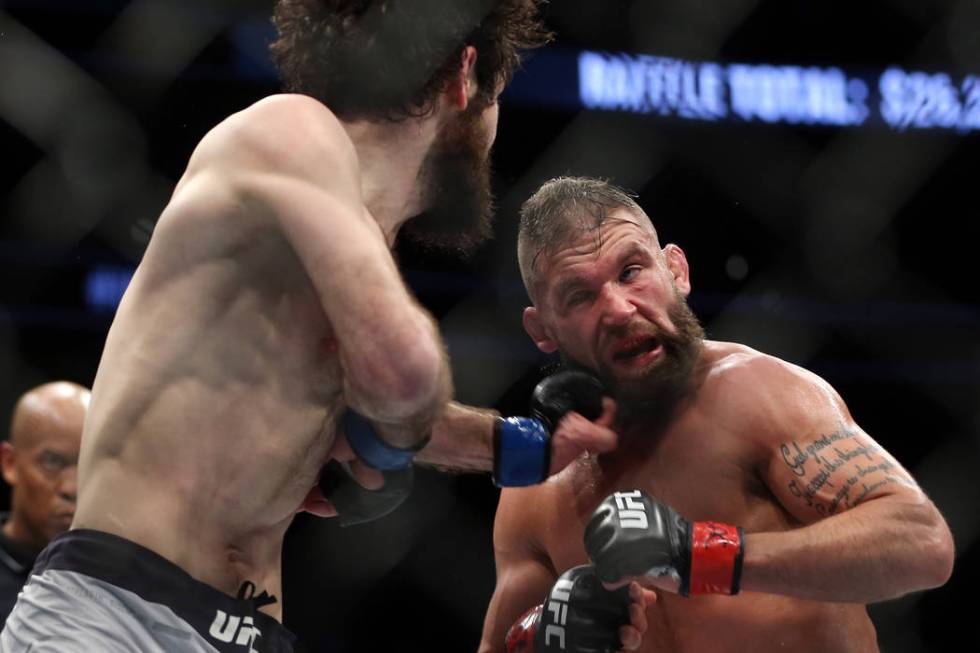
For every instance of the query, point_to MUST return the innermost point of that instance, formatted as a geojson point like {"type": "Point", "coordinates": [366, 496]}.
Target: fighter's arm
{"type": "Point", "coordinates": [462, 438]}
{"type": "Point", "coordinates": [304, 174]}
{"type": "Point", "coordinates": [535, 610]}
{"type": "Point", "coordinates": [524, 573]}
{"type": "Point", "coordinates": [871, 533]}
{"type": "Point", "coordinates": [867, 532]}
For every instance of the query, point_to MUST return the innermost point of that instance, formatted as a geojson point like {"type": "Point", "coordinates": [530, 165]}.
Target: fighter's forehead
{"type": "Point", "coordinates": [621, 234]}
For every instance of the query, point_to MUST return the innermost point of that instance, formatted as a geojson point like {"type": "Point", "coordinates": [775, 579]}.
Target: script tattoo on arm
{"type": "Point", "coordinates": [839, 470]}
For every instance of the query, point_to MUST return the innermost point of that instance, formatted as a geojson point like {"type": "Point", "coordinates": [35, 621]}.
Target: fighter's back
{"type": "Point", "coordinates": [216, 395]}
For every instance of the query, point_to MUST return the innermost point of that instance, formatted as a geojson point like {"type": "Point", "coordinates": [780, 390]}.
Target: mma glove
{"type": "Point", "coordinates": [633, 534]}
{"type": "Point", "coordinates": [356, 504]}
{"type": "Point", "coordinates": [522, 445]}
{"type": "Point", "coordinates": [578, 616]}
{"type": "Point", "coordinates": [522, 449]}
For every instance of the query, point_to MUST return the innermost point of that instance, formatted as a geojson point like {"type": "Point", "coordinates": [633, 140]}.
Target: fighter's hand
{"type": "Point", "coordinates": [631, 634]}
{"type": "Point", "coordinates": [575, 434]}
{"type": "Point", "coordinates": [580, 616]}
{"type": "Point", "coordinates": [569, 415]}
{"type": "Point", "coordinates": [632, 535]}
{"type": "Point", "coordinates": [367, 477]}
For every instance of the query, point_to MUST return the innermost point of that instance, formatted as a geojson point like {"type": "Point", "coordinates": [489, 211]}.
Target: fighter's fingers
{"type": "Point", "coordinates": [651, 584]}
{"type": "Point", "coordinates": [593, 437]}
{"type": "Point", "coordinates": [341, 449]}
{"type": "Point", "coordinates": [630, 638]}
{"type": "Point", "coordinates": [368, 477]}
{"type": "Point", "coordinates": [642, 595]}
{"type": "Point", "coordinates": [638, 618]}
{"type": "Point", "coordinates": [315, 504]}
{"type": "Point", "coordinates": [608, 416]}
{"type": "Point", "coordinates": [615, 585]}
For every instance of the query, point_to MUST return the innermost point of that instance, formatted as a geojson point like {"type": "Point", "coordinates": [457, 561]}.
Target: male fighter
{"type": "Point", "coordinates": [267, 305]}
{"type": "Point", "coordinates": [39, 461]}
{"type": "Point", "coordinates": [754, 475]}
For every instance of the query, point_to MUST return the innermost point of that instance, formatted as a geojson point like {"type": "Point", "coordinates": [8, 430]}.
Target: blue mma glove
{"type": "Point", "coordinates": [522, 445]}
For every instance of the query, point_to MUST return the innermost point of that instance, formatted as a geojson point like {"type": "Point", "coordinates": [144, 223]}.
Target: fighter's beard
{"type": "Point", "coordinates": [457, 193]}
{"type": "Point", "coordinates": [647, 400]}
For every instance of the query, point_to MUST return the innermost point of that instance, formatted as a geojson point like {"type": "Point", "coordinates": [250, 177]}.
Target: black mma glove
{"type": "Point", "coordinates": [522, 445]}
{"type": "Point", "coordinates": [633, 534]}
{"type": "Point", "coordinates": [578, 616]}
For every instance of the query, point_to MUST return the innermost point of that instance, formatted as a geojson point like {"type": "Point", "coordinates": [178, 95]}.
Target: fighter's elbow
{"type": "Point", "coordinates": [401, 385]}
{"type": "Point", "coordinates": [940, 556]}
{"type": "Point", "coordinates": [936, 550]}
{"type": "Point", "coordinates": [421, 378]}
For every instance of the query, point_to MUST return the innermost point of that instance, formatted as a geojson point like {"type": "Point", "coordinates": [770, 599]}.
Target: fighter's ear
{"type": "Point", "coordinates": [461, 88]}
{"type": "Point", "coordinates": [536, 329]}
{"type": "Point", "coordinates": [677, 264]}
{"type": "Point", "coordinates": [7, 467]}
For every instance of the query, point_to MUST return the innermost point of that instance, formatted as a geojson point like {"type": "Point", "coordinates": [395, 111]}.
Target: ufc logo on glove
{"type": "Point", "coordinates": [558, 606]}
{"type": "Point", "coordinates": [630, 510]}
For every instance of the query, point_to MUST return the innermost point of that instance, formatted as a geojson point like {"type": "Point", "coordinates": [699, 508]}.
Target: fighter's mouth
{"type": "Point", "coordinates": [635, 347]}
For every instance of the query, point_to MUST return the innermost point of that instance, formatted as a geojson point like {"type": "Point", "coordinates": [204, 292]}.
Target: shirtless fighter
{"type": "Point", "coordinates": [266, 309]}
{"type": "Point", "coordinates": [735, 470]}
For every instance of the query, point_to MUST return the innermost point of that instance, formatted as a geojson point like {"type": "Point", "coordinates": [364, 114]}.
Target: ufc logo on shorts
{"type": "Point", "coordinates": [632, 514]}
{"type": "Point", "coordinates": [226, 627]}
{"type": "Point", "coordinates": [558, 607]}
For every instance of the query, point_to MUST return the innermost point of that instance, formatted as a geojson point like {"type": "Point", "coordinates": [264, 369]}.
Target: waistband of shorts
{"type": "Point", "coordinates": [130, 566]}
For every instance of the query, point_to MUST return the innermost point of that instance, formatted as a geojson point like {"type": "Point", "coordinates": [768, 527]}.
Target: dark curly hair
{"type": "Point", "coordinates": [388, 59]}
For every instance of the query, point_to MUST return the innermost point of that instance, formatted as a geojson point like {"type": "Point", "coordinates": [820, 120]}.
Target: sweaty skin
{"type": "Point", "coordinates": [709, 464]}
{"type": "Point", "coordinates": [832, 521]}
{"type": "Point", "coordinates": [266, 303]}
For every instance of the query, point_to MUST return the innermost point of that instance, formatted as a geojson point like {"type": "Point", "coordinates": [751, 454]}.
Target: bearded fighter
{"type": "Point", "coordinates": [268, 316]}
{"type": "Point", "coordinates": [742, 490]}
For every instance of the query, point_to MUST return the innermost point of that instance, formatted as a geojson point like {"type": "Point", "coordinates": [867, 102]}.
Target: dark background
{"type": "Point", "coordinates": [851, 252]}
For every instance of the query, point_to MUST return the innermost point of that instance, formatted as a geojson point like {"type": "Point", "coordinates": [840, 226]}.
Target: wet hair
{"type": "Point", "coordinates": [563, 209]}
{"type": "Point", "coordinates": [389, 59]}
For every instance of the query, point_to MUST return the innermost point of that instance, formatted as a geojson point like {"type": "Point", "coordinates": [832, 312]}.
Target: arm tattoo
{"type": "Point", "coordinates": [836, 472]}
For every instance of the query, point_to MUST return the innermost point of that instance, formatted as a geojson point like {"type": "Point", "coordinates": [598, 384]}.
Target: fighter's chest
{"type": "Point", "coordinates": [702, 475]}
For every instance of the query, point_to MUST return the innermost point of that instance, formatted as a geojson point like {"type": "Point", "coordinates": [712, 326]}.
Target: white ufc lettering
{"type": "Point", "coordinates": [558, 607]}
{"type": "Point", "coordinates": [226, 626]}
{"type": "Point", "coordinates": [631, 512]}
{"type": "Point", "coordinates": [562, 590]}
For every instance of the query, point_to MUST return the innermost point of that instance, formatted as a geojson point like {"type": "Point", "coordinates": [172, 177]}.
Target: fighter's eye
{"type": "Point", "coordinates": [629, 273]}
{"type": "Point", "coordinates": [52, 461]}
{"type": "Point", "coordinates": [577, 298]}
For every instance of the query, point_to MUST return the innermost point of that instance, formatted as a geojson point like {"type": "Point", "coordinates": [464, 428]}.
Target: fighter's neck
{"type": "Point", "coordinates": [391, 156]}
{"type": "Point", "coordinates": [16, 531]}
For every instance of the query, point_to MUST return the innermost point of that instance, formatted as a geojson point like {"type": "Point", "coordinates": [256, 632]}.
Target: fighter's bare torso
{"type": "Point", "coordinates": [219, 387]}
{"type": "Point", "coordinates": [705, 465]}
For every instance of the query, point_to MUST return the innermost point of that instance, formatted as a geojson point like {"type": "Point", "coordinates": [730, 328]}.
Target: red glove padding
{"type": "Point", "coordinates": [633, 534]}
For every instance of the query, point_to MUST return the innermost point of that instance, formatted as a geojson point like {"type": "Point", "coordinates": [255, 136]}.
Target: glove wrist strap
{"type": "Point", "coordinates": [521, 451]}
{"type": "Point", "coordinates": [716, 558]}
{"type": "Point", "coordinates": [370, 448]}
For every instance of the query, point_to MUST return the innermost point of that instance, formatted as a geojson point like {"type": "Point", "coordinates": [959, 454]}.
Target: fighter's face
{"type": "Point", "coordinates": [456, 183]}
{"type": "Point", "coordinates": [43, 473]}
{"type": "Point", "coordinates": [613, 302]}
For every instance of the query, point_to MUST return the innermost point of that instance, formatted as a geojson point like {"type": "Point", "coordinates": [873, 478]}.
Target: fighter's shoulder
{"type": "Point", "coordinates": [287, 134]}
{"type": "Point", "coordinates": [733, 364]}
{"type": "Point", "coordinates": [766, 389]}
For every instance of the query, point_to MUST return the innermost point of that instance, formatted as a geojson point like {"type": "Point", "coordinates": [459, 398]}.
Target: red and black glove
{"type": "Point", "coordinates": [632, 534]}
{"type": "Point", "coordinates": [579, 616]}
